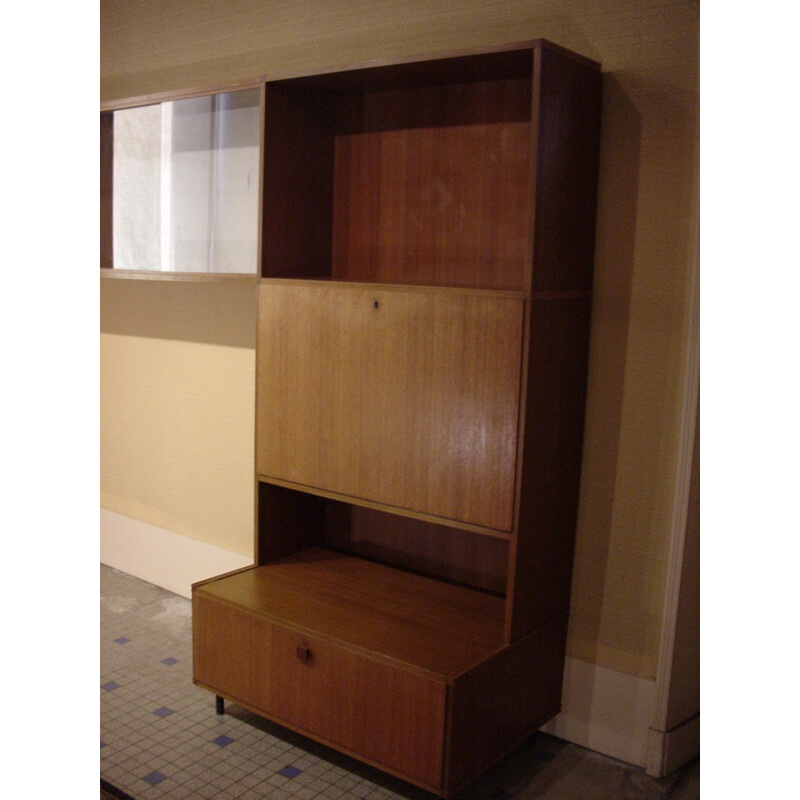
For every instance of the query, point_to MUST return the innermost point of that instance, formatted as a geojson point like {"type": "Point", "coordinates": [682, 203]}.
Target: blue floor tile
{"type": "Point", "coordinates": [154, 777]}
{"type": "Point", "coordinates": [289, 772]}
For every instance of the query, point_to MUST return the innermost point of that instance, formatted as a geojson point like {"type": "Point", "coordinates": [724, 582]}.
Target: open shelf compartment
{"type": "Point", "coordinates": [415, 173]}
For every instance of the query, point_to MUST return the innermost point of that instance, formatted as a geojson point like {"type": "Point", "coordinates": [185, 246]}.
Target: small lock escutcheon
{"type": "Point", "coordinates": [304, 653]}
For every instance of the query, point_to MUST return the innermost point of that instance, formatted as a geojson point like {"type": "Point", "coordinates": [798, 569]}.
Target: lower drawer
{"type": "Point", "coordinates": [384, 714]}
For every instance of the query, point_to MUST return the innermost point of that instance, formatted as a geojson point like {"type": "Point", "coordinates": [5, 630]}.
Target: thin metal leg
{"type": "Point", "coordinates": [220, 705]}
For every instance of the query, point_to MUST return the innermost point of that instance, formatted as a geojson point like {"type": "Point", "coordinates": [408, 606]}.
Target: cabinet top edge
{"type": "Point", "coordinates": [545, 44]}
{"type": "Point", "coordinates": [431, 58]}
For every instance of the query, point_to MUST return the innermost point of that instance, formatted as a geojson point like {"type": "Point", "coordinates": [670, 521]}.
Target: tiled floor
{"type": "Point", "coordinates": [161, 738]}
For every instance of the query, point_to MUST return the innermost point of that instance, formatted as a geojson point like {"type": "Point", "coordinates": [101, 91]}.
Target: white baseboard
{"type": "Point", "coordinates": [159, 556]}
{"type": "Point", "coordinates": [605, 711]}
{"type": "Point", "coordinates": [670, 750]}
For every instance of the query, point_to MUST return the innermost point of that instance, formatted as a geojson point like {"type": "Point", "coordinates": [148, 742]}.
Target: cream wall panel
{"type": "Point", "coordinates": [607, 711]}
{"type": "Point", "coordinates": [177, 408]}
{"type": "Point", "coordinates": [646, 218]}
{"type": "Point", "coordinates": [684, 695]}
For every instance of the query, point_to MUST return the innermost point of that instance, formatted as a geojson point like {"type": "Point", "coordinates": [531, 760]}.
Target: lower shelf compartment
{"type": "Point", "coordinates": [407, 673]}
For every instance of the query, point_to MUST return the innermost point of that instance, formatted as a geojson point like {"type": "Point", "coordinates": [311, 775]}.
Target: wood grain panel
{"type": "Point", "coordinates": [542, 551]}
{"type": "Point", "coordinates": [398, 721]}
{"type": "Point", "coordinates": [431, 185]}
{"type": "Point", "coordinates": [500, 702]}
{"type": "Point", "coordinates": [406, 397]}
{"type": "Point", "coordinates": [390, 716]}
{"type": "Point", "coordinates": [566, 143]}
{"type": "Point", "coordinates": [457, 555]}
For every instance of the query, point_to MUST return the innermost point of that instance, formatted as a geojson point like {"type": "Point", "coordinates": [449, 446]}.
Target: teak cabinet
{"type": "Point", "coordinates": [426, 261]}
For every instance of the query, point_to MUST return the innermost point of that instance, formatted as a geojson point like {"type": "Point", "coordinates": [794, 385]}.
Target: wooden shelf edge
{"type": "Point", "coordinates": [204, 581]}
{"type": "Point", "coordinates": [511, 293]}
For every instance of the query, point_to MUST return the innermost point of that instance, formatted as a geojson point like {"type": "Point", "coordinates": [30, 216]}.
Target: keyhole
{"type": "Point", "coordinates": [375, 304]}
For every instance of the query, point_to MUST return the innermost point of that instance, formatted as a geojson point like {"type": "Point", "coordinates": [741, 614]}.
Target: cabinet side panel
{"type": "Point", "coordinates": [288, 522]}
{"type": "Point", "coordinates": [298, 175]}
{"type": "Point", "coordinates": [567, 143]}
{"type": "Point", "coordinates": [231, 651]}
{"type": "Point", "coordinates": [500, 702]}
{"type": "Point", "coordinates": [542, 551]}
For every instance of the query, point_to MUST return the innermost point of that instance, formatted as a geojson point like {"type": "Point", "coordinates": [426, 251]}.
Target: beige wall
{"type": "Point", "coordinates": [645, 243]}
{"type": "Point", "coordinates": [177, 380]}
{"type": "Point", "coordinates": [684, 695]}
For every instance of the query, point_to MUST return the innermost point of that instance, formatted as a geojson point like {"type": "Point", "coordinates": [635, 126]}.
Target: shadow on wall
{"type": "Point", "coordinates": [207, 313]}
{"type": "Point", "coordinates": [622, 545]}
{"type": "Point", "coordinates": [618, 200]}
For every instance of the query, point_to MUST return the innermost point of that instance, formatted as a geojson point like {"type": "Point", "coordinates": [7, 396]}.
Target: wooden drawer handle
{"type": "Point", "coordinates": [303, 653]}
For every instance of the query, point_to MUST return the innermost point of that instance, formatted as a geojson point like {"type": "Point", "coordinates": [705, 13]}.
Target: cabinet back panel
{"type": "Point", "coordinates": [440, 551]}
{"type": "Point", "coordinates": [431, 185]}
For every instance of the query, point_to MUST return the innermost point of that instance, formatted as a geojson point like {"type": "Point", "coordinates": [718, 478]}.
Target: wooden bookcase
{"type": "Point", "coordinates": [427, 247]}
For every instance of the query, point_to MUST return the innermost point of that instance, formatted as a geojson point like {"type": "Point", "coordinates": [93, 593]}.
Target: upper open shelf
{"type": "Point", "coordinates": [414, 173]}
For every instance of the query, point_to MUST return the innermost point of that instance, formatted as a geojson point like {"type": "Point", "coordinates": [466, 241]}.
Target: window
{"type": "Point", "coordinates": [180, 185]}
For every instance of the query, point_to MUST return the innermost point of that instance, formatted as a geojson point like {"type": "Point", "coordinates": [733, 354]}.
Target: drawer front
{"type": "Point", "coordinates": [386, 715]}
{"type": "Point", "coordinates": [390, 716]}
